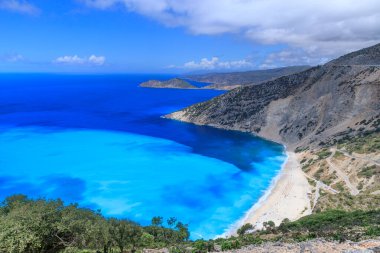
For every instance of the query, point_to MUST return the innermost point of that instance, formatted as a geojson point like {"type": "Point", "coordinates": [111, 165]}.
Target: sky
{"type": "Point", "coordinates": [180, 36]}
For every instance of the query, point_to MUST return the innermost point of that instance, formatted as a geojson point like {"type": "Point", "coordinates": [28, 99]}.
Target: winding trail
{"type": "Point", "coordinates": [342, 174]}
{"type": "Point", "coordinates": [320, 185]}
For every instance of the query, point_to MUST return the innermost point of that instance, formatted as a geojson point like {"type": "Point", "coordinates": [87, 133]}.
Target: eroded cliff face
{"type": "Point", "coordinates": [317, 106]}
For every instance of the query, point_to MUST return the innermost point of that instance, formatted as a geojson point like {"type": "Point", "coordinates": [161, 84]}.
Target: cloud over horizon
{"type": "Point", "coordinates": [215, 64]}
{"type": "Point", "coordinates": [19, 6]}
{"type": "Point", "coordinates": [76, 60]}
{"type": "Point", "coordinates": [317, 29]}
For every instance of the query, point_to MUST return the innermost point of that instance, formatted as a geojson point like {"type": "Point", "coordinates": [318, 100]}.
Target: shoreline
{"type": "Point", "coordinates": [286, 197]}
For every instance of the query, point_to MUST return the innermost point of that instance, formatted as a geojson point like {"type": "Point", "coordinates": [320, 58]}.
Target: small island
{"type": "Point", "coordinates": [174, 83]}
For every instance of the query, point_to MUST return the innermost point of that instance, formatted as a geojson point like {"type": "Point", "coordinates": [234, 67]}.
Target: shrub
{"type": "Point", "coordinates": [324, 153]}
{"type": "Point", "coordinates": [230, 245]}
{"type": "Point", "coordinates": [244, 229]}
{"type": "Point", "coordinates": [201, 246]}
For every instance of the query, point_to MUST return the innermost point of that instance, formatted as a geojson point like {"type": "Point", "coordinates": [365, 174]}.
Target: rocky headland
{"type": "Point", "coordinates": [174, 83]}
{"type": "Point", "coordinates": [231, 80]}
{"type": "Point", "coordinates": [225, 81]}
{"type": "Point", "coordinates": [328, 118]}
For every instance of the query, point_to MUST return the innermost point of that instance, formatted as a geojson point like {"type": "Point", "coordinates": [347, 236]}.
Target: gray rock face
{"type": "Point", "coordinates": [317, 105]}
{"type": "Point", "coordinates": [172, 83]}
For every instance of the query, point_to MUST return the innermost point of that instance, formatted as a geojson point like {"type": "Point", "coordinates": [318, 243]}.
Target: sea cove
{"type": "Point", "coordinates": [100, 141]}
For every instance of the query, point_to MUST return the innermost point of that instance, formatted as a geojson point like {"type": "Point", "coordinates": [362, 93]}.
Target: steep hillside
{"type": "Point", "coordinates": [316, 106]}
{"type": "Point", "coordinates": [222, 80]}
{"type": "Point", "coordinates": [172, 83]}
{"type": "Point", "coordinates": [329, 115]}
{"type": "Point", "coordinates": [365, 56]}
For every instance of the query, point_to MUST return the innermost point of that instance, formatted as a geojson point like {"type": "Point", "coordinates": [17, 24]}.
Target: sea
{"type": "Point", "coordinates": [101, 141]}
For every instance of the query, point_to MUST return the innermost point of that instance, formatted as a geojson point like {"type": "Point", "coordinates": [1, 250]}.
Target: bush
{"type": "Point", "coordinates": [373, 231]}
{"type": "Point", "coordinates": [178, 249]}
{"type": "Point", "coordinates": [201, 246]}
{"type": "Point", "coordinates": [230, 245]}
{"type": "Point", "coordinates": [324, 153]}
{"type": "Point", "coordinates": [244, 229]}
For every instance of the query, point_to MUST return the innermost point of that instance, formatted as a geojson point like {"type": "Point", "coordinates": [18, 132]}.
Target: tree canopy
{"type": "Point", "coordinates": [45, 226]}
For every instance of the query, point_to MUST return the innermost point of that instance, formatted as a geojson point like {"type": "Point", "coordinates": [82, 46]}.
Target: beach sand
{"type": "Point", "coordinates": [287, 198]}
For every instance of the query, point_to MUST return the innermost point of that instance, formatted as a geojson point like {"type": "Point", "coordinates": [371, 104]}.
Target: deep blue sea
{"type": "Point", "coordinates": [99, 140]}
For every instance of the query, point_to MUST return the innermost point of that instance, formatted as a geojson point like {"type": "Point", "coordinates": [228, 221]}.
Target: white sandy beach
{"type": "Point", "coordinates": [287, 198]}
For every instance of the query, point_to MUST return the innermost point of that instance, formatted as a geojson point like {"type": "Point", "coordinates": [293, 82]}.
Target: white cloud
{"type": "Point", "coordinates": [324, 27]}
{"type": "Point", "coordinates": [76, 60]}
{"type": "Point", "coordinates": [97, 60]}
{"type": "Point", "coordinates": [215, 64]}
{"type": "Point", "coordinates": [70, 60]}
{"type": "Point", "coordinates": [292, 57]}
{"type": "Point", "coordinates": [19, 6]}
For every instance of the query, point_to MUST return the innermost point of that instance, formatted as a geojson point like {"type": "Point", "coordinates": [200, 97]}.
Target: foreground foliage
{"type": "Point", "coordinates": [49, 226]}
{"type": "Point", "coordinates": [331, 225]}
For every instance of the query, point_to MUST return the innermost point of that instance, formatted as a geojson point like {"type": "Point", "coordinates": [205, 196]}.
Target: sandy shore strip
{"type": "Point", "coordinates": [287, 198]}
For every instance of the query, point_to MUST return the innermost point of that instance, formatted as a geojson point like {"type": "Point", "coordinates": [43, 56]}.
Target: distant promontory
{"type": "Point", "coordinates": [225, 81]}
{"type": "Point", "coordinates": [174, 83]}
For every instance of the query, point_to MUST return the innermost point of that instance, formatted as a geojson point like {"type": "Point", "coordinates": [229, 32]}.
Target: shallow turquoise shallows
{"type": "Point", "coordinates": [100, 141]}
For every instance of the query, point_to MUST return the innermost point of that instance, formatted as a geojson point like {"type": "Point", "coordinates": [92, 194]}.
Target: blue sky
{"type": "Point", "coordinates": [163, 36]}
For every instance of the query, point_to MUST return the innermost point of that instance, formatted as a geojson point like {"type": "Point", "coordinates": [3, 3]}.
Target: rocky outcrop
{"type": "Point", "coordinates": [316, 106]}
{"type": "Point", "coordinates": [175, 83]}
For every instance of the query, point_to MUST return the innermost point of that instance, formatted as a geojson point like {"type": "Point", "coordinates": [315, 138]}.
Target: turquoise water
{"type": "Point", "coordinates": [100, 141]}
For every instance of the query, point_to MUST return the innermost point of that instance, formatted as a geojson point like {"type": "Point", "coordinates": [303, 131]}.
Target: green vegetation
{"type": "Point", "coordinates": [336, 224]}
{"type": "Point", "coordinates": [338, 155]}
{"type": "Point", "coordinates": [29, 226]}
{"type": "Point", "coordinates": [306, 166]}
{"type": "Point", "coordinates": [362, 144]}
{"type": "Point", "coordinates": [323, 154]}
{"type": "Point", "coordinates": [244, 229]}
{"type": "Point", "coordinates": [369, 171]}
{"type": "Point", "coordinates": [230, 245]}
{"type": "Point", "coordinates": [312, 182]}
{"type": "Point", "coordinates": [339, 186]}
{"type": "Point", "coordinates": [345, 201]}
{"type": "Point", "coordinates": [202, 246]}
{"type": "Point", "coordinates": [318, 173]}
{"type": "Point", "coordinates": [330, 225]}
{"type": "Point", "coordinates": [301, 149]}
